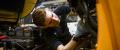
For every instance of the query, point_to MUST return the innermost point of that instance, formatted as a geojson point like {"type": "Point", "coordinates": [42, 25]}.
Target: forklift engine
{"type": "Point", "coordinates": [12, 36]}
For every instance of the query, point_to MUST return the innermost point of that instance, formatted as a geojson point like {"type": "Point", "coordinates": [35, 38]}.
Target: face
{"type": "Point", "coordinates": [51, 20]}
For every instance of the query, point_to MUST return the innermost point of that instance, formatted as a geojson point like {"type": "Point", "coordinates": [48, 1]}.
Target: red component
{"type": "Point", "coordinates": [3, 37]}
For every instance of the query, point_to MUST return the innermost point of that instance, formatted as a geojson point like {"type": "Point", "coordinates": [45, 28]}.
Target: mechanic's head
{"type": "Point", "coordinates": [45, 18]}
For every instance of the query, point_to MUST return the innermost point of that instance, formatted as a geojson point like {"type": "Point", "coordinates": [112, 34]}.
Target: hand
{"type": "Point", "coordinates": [83, 31]}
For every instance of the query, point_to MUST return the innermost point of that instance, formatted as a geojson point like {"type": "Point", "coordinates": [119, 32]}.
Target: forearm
{"type": "Point", "coordinates": [69, 46]}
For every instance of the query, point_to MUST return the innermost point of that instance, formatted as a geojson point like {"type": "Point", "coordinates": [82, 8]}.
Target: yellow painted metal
{"type": "Point", "coordinates": [108, 24]}
{"type": "Point", "coordinates": [28, 6]}
{"type": "Point", "coordinates": [1, 48]}
{"type": "Point", "coordinates": [104, 39]}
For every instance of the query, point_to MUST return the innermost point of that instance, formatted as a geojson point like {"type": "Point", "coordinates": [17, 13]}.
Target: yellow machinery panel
{"type": "Point", "coordinates": [12, 10]}
{"type": "Point", "coordinates": [108, 24]}
{"type": "Point", "coordinates": [29, 5]}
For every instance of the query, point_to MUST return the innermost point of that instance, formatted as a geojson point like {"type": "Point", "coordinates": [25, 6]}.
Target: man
{"type": "Point", "coordinates": [55, 30]}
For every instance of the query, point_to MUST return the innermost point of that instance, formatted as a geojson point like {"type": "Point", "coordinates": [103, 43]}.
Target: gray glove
{"type": "Point", "coordinates": [82, 32]}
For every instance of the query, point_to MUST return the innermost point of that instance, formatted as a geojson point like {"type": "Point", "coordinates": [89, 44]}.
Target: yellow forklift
{"type": "Point", "coordinates": [107, 12]}
{"type": "Point", "coordinates": [108, 24]}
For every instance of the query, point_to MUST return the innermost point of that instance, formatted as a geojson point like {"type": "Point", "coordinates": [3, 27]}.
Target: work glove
{"type": "Point", "coordinates": [82, 32]}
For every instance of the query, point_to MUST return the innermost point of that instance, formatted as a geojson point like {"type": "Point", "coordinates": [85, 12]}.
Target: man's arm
{"type": "Point", "coordinates": [69, 46]}
{"type": "Point", "coordinates": [81, 35]}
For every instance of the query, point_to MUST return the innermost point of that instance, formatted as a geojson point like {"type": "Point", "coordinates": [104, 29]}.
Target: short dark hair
{"type": "Point", "coordinates": [39, 17]}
